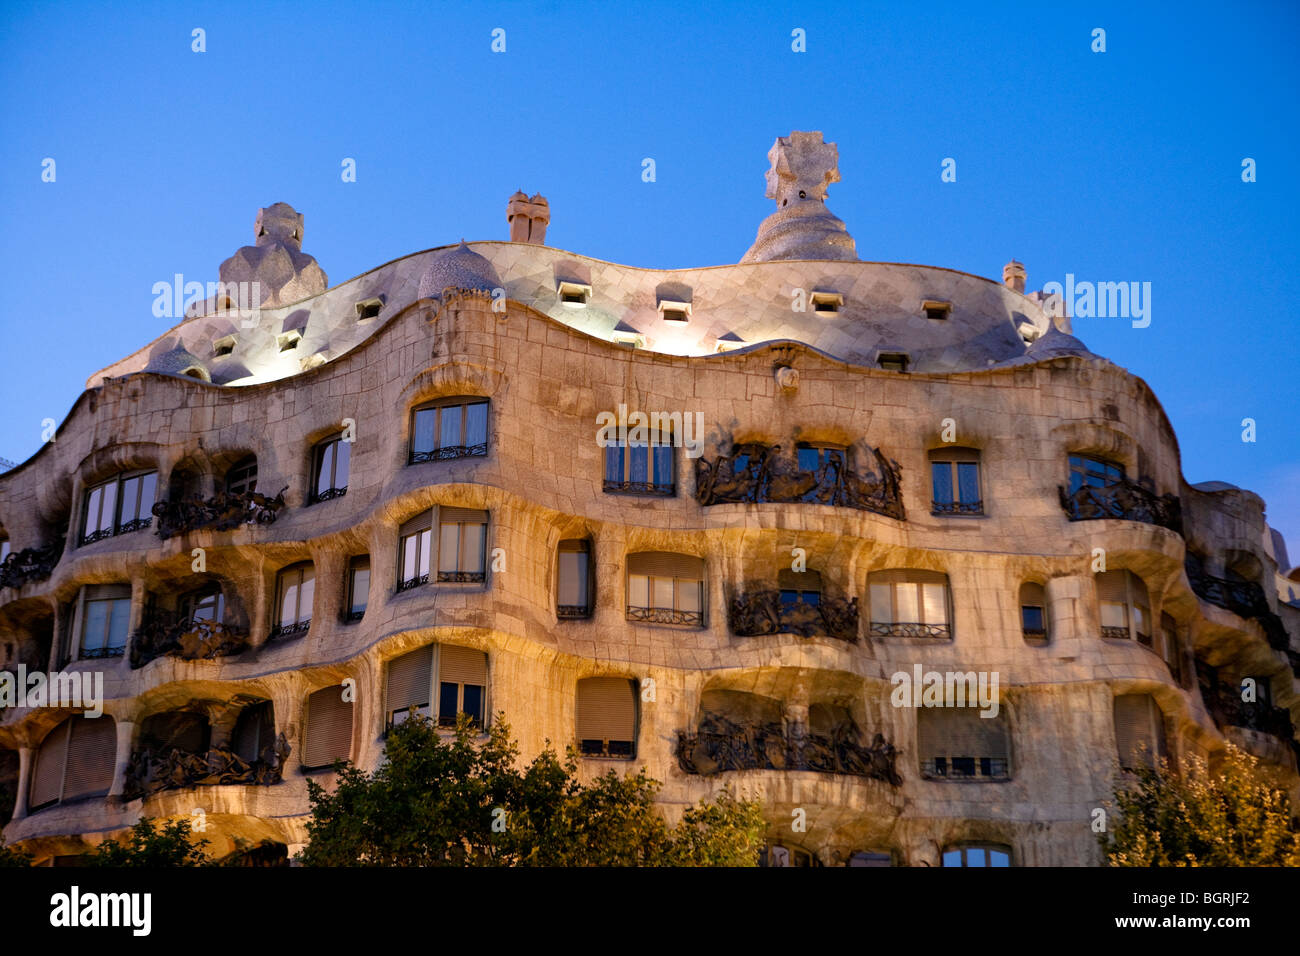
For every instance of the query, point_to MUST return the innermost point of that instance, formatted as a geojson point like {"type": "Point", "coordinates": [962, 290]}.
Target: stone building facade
{"type": "Point", "coordinates": [275, 530]}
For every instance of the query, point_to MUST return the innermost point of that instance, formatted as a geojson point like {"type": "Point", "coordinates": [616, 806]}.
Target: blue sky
{"type": "Point", "coordinates": [1123, 165]}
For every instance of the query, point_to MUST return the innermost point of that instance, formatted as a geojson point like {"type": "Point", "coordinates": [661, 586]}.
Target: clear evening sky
{"type": "Point", "coordinates": [1116, 166]}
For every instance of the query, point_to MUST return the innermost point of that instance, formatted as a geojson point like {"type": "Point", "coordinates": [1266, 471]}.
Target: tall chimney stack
{"type": "Point", "coordinates": [528, 218]}
{"type": "Point", "coordinates": [1013, 276]}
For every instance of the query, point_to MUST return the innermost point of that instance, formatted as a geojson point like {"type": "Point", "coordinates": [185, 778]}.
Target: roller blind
{"type": "Point", "coordinates": [462, 665]}
{"type": "Point", "coordinates": [666, 564]}
{"type": "Point", "coordinates": [409, 678]}
{"type": "Point", "coordinates": [907, 575]}
{"type": "Point", "coordinates": [421, 522]}
{"type": "Point", "coordinates": [960, 732]}
{"type": "Point", "coordinates": [606, 709]}
{"type": "Point", "coordinates": [47, 775]}
{"type": "Point", "coordinates": [107, 592]}
{"type": "Point", "coordinates": [468, 515]}
{"type": "Point", "coordinates": [1139, 730]}
{"type": "Point", "coordinates": [955, 454]}
{"type": "Point", "coordinates": [1112, 587]}
{"type": "Point", "coordinates": [254, 730]}
{"type": "Point", "coordinates": [92, 755]}
{"type": "Point", "coordinates": [329, 728]}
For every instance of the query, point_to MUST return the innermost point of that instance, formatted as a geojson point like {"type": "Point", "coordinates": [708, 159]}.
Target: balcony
{"type": "Point", "coordinates": [449, 452]}
{"type": "Point", "coordinates": [163, 635]}
{"type": "Point", "coordinates": [1123, 499]}
{"type": "Point", "coordinates": [1244, 598]}
{"type": "Point", "coordinates": [222, 512]}
{"type": "Point", "coordinates": [721, 744]}
{"type": "Point", "coordinates": [759, 473]}
{"type": "Point", "coordinates": [762, 612]}
{"type": "Point", "coordinates": [153, 771]}
{"type": "Point", "coordinates": [666, 490]}
{"type": "Point", "coordinates": [29, 564]}
{"type": "Point", "coordinates": [665, 615]}
{"type": "Point", "coordinates": [936, 632]}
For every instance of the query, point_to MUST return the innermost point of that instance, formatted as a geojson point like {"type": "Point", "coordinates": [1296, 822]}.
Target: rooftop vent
{"type": "Point", "coordinates": [573, 295]}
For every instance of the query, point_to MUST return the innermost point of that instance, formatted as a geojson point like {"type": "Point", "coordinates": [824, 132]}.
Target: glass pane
{"type": "Point", "coordinates": [205, 608]}
{"type": "Point", "coordinates": [1032, 618]}
{"type": "Point", "coordinates": [92, 634]}
{"type": "Point", "coordinates": [1140, 617]}
{"type": "Point", "coordinates": [476, 424]}
{"type": "Point", "coordinates": [811, 598]}
{"type": "Point", "coordinates": [573, 579]}
{"type": "Point", "coordinates": [306, 596]}
{"type": "Point", "coordinates": [638, 590]}
{"type": "Point", "coordinates": [118, 621]}
{"type": "Point", "coordinates": [809, 459]}
{"type": "Point", "coordinates": [614, 463]}
{"type": "Point", "coordinates": [936, 603]}
{"type": "Point", "coordinates": [941, 475]}
{"type": "Point", "coordinates": [968, 480]}
{"type": "Point", "coordinates": [360, 589]}
{"type": "Point", "coordinates": [952, 858]}
{"type": "Point", "coordinates": [449, 548]}
{"type": "Point", "coordinates": [148, 489]}
{"type": "Point", "coordinates": [999, 858]}
{"type": "Point", "coordinates": [425, 539]}
{"type": "Point", "coordinates": [975, 856]}
{"type": "Point", "coordinates": [472, 539]}
{"type": "Point", "coordinates": [663, 464]}
{"type": "Point", "coordinates": [106, 511]}
{"type": "Point", "coordinates": [93, 501]}
{"type": "Point", "coordinates": [639, 463]}
{"type": "Point", "coordinates": [450, 426]}
{"type": "Point", "coordinates": [326, 468]}
{"type": "Point", "coordinates": [881, 605]}
{"type": "Point", "coordinates": [129, 501]}
{"type": "Point", "coordinates": [907, 603]}
{"type": "Point", "coordinates": [789, 597]}
{"type": "Point", "coordinates": [448, 703]}
{"type": "Point", "coordinates": [688, 594]}
{"type": "Point", "coordinates": [425, 419]}
{"type": "Point", "coordinates": [473, 703]}
{"type": "Point", "coordinates": [1112, 615]}
{"type": "Point", "coordinates": [663, 592]}
{"type": "Point", "coordinates": [289, 600]}
{"type": "Point", "coordinates": [342, 463]}
{"type": "Point", "coordinates": [410, 545]}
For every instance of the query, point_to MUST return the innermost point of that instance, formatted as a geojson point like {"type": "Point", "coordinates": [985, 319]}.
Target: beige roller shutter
{"type": "Point", "coordinates": [467, 515]}
{"type": "Point", "coordinates": [47, 775]}
{"type": "Point", "coordinates": [1112, 587]}
{"type": "Point", "coordinates": [960, 732]}
{"type": "Point", "coordinates": [1138, 591]}
{"type": "Point", "coordinates": [1032, 595]}
{"type": "Point", "coordinates": [1139, 730]}
{"type": "Point", "coordinates": [421, 522]}
{"type": "Point", "coordinates": [409, 679]}
{"type": "Point", "coordinates": [107, 592]}
{"type": "Point", "coordinates": [92, 756]}
{"type": "Point", "coordinates": [664, 564]}
{"type": "Point", "coordinates": [798, 580]}
{"type": "Point", "coordinates": [907, 575]}
{"type": "Point", "coordinates": [329, 728]}
{"type": "Point", "coordinates": [461, 665]}
{"type": "Point", "coordinates": [606, 709]}
{"type": "Point", "coordinates": [955, 454]}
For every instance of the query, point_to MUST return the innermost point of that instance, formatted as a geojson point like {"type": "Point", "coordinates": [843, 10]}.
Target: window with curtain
{"type": "Point", "coordinates": [910, 603]}
{"type": "Point", "coordinates": [605, 717]}
{"type": "Point", "coordinates": [462, 543]}
{"type": "Point", "coordinates": [665, 588]}
{"type": "Point", "coordinates": [358, 587]}
{"type": "Point", "coordinates": [105, 616]}
{"type": "Point", "coordinates": [573, 584]}
{"type": "Point", "coordinates": [642, 468]}
{"type": "Point", "coordinates": [955, 482]}
{"type": "Point", "coordinates": [414, 543]}
{"type": "Point", "coordinates": [1124, 606]}
{"type": "Point", "coordinates": [449, 428]}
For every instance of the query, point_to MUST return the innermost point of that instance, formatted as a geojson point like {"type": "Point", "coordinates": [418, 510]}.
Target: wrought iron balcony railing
{"type": "Point", "coordinates": [572, 612]}
{"type": "Point", "coordinates": [1126, 500]}
{"type": "Point", "coordinates": [99, 653]}
{"type": "Point", "coordinates": [162, 634]}
{"type": "Point", "coordinates": [967, 768]}
{"type": "Point", "coordinates": [152, 771]}
{"type": "Point", "coordinates": [1243, 598]}
{"type": "Point", "coordinates": [639, 488]}
{"type": "Point", "coordinates": [937, 632]}
{"type": "Point", "coordinates": [462, 577]}
{"type": "Point", "coordinates": [449, 452]}
{"type": "Point", "coordinates": [29, 564]}
{"type": "Point", "coordinates": [329, 494]}
{"type": "Point", "coordinates": [414, 582]}
{"type": "Point", "coordinates": [755, 472]}
{"type": "Point", "coordinates": [720, 744]}
{"type": "Point", "coordinates": [763, 612]}
{"type": "Point", "coordinates": [665, 615]}
{"type": "Point", "coordinates": [289, 630]}
{"type": "Point", "coordinates": [956, 507]}
{"type": "Point", "coordinates": [222, 512]}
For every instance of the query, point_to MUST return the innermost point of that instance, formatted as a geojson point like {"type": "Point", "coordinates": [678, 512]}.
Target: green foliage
{"type": "Point", "coordinates": [168, 845]}
{"type": "Point", "coordinates": [437, 802]}
{"type": "Point", "coordinates": [10, 857]}
{"type": "Point", "coordinates": [1234, 818]}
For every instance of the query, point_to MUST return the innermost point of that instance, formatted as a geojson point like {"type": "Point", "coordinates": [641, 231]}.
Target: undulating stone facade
{"type": "Point", "coordinates": [255, 528]}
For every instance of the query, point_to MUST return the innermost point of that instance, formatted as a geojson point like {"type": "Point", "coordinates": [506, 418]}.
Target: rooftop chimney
{"type": "Point", "coordinates": [528, 218]}
{"type": "Point", "coordinates": [1013, 276]}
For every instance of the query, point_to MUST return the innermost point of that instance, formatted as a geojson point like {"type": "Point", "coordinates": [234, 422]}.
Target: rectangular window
{"type": "Point", "coordinates": [333, 459]}
{"type": "Point", "coordinates": [462, 543]}
{"type": "Point", "coordinates": [462, 684]}
{"type": "Point", "coordinates": [573, 599]}
{"type": "Point", "coordinates": [955, 482]}
{"type": "Point", "coordinates": [295, 590]}
{"type": "Point", "coordinates": [1093, 472]}
{"type": "Point", "coordinates": [358, 587]}
{"type": "Point", "coordinates": [105, 617]}
{"type": "Point", "coordinates": [118, 506]}
{"type": "Point", "coordinates": [664, 588]}
{"type": "Point", "coordinates": [453, 429]}
{"type": "Point", "coordinates": [415, 539]}
{"type": "Point", "coordinates": [605, 717]}
{"type": "Point", "coordinates": [977, 856]}
{"type": "Point", "coordinates": [909, 603]}
{"type": "Point", "coordinates": [328, 735]}
{"type": "Point", "coordinates": [644, 468]}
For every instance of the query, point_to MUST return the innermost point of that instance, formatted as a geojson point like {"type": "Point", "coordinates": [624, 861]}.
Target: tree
{"type": "Point", "coordinates": [1232, 818]}
{"type": "Point", "coordinates": [437, 802]}
{"type": "Point", "coordinates": [168, 845]}
{"type": "Point", "coordinates": [9, 857]}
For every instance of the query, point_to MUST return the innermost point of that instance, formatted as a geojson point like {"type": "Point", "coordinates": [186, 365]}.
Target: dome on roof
{"type": "Point", "coordinates": [458, 268]}
{"type": "Point", "coordinates": [179, 361]}
{"type": "Point", "coordinates": [1054, 343]}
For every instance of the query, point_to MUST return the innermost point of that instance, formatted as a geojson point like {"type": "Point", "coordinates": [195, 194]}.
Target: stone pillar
{"type": "Point", "coordinates": [1068, 617]}
{"type": "Point", "coordinates": [24, 781]}
{"type": "Point", "coordinates": [125, 737]}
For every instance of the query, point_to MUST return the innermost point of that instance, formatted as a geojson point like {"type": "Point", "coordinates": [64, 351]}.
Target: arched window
{"type": "Point", "coordinates": [977, 854]}
{"type": "Point", "coordinates": [1125, 607]}
{"type": "Point", "coordinates": [605, 717]}
{"type": "Point", "coordinates": [76, 759]}
{"type": "Point", "coordinates": [242, 476]}
{"type": "Point", "coordinates": [665, 588]}
{"type": "Point", "coordinates": [1033, 612]}
{"type": "Point", "coordinates": [908, 602]}
{"type": "Point", "coordinates": [328, 733]}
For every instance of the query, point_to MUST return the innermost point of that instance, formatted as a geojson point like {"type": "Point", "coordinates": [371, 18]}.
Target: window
{"type": "Point", "coordinates": [328, 733]}
{"type": "Point", "coordinates": [295, 589]}
{"type": "Point", "coordinates": [224, 346]}
{"type": "Point", "coordinates": [461, 686]}
{"type": "Point", "coordinates": [670, 311]}
{"type": "Point", "coordinates": [1093, 472]}
{"type": "Point", "coordinates": [573, 598]}
{"type": "Point", "coordinates": [208, 604]}
{"type": "Point", "coordinates": [413, 551]}
{"type": "Point", "coordinates": [956, 743]}
{"type": "Point", "coordinates": [813, 458]}
{"type": "Point", "coordinates": [644, 468]}
{"type": "Point", "coordinates": [664, 588]}
{"type": "Point", "coordinates": [4, 548]}
{"type": "Point", "coordinates": [799, 587]}
{"type": "Point", "coordinates": [76, 759]}
{"type": "Point", "coordinates": [289, 340]}
{"type": "Point", "coordinates": [1139, 731]}
{"type": "Point", "coordinates": [605, 717]}
{"type": "Point", "coordinates": [462, 543]}
{"type": "Point", "coordinates": [453, 428]}
{"type": "Point", "coordinates": [254, 731]}
{"type": "Point", "coordinates": [910, 603]}
{"type": "Point", "coordinates": [242, 476]}
{"type": "Point", "coordinates": [1033, 612]}
{"type": "Point", "coordinates": [573, 294]}
{"type": "Point", "coordinates": [369, 309]}
{"type": "Point", "coordinates": [977, 855]}
{"type": "Point", "coordinates": [1125, 607]}
{"type": "Point", "coordinates": [781, 855]}
{"type": "Point", "coordinates": [358, 587]}
{"type": "Point", "coordinates": [955, 482]}
{"type": "Point", "coordinates": [827, 303]}
{"type": "Point", "coordinates": [935, 309]}
{"type": "Point", "coordinates": [893, 361]}
{"type": "Point", "coordinates": [1172, 647]}
{"type": "Point", "coordinates": [104, 617]}
{"type": "Point", "coordinates": [329, 470]}
{"type": "Point", "coordinates": [121, 504]}
{"type": "Point", "coordinates": [866, 858]}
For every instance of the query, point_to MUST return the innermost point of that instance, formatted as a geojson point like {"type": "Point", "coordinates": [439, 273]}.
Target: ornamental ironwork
{"type": "Point", "coordinates": [414, 582]}
{"type": "Point", "coordinates": [329, 494]}
{"type": "Point", "coordinates": [222, 512]}
{"type": "Point", "coordinates": [288, 630]}
{"type": "Point", "coordinates": [938, 632]}
{"type": "Point", "coordinates": [639, 488]}
{"type": "Point", "coordinates": [29, 564]}
{"type": "Point", "coordinates": [763, 612]}
{"type": "Point", "coordinates": [572, 612]}
{"type": "Point", "coordinates": [152, 770]}
{"type": "Point", "coordinates": [755, 473]}
{"type": "Point", "coordinates": [720, 744]}
{"type": "Point", "coordinates": [1225, 705]}
{"type": "Point", "coordinates": [665, 615]}
{"type": "Point", "coordinates": [448, 452]}
{"type": "Point", "coordinates": [461, 577]}
{"type": "Point", "coordinates": [1243, 598]}
{"type": "Point", "coordinates": [162, 635]}
{"type": "Point", "coordinates": [99, 653]}
{"type": "Point", "coordinates": [956, 507]}
{"type": "Point", "coordinates": [1123, 499]}
{"type": "Point", "coordinates": [1115, 633]}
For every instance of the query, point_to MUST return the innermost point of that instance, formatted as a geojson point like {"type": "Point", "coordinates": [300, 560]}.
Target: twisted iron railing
{"type": "Point", "coordinates": [665, 615]}
{"type": "Point", "coordinates": [29, 564]}
{"type": "Point", "coordinates": [1126, 500]}
{"type": "Point", "coordinates": [1243, 598]}
{"type": "Point", "coordinates": [162, 635]}
{"type": "Point", "coordinates": [151, 771]}
{"type": "Point", "coordinates": [762, 612]}
{"type": "Point", "coordinates": [222, 512]}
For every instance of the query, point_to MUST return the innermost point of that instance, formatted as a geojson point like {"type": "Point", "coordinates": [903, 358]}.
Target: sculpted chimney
{"type": "Point", "coordinates": [528, 218]}
{"type": "Point", "coordinates": [1013, 276]}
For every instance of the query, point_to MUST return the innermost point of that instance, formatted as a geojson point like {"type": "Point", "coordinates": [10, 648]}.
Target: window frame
{"type": "Point", "coordinates": [82, 615]}
{"type": "Point", "coordinates": [925, 629]}
{"type": "Point", "coordinates": [356, 564]}
{"type": "Point", "coordinates": [461, 574]}
{"type": "Point", "coordinates": [432, 708]}
{"type": "Point", "coordinates": [1110, 472]}
{"type": "Point", "coordinates": [330, 446]}
{"type": "Point", "coordinates": [626, 453]}
{"type": "Point", "coordinates": [606, 752]}
{"type": "Point", "coordinates": [951, 459]}
{"type": "Point", "coordinates": [142, 518]}
{"type": "Point", "coordinates": [1031, 635]}
{"type": "Point", "coordinates": [652, 613]}
{"type": "Point", "coordinates": [1109, 632]}
{"type": "Point", "coordinates": [438, 451]}
{"type": "Point", "coordinates": [241, 477]}
{"type": "Point", "coordinates": [574, 612]}
{"type": "Point", "coordinates": [300, 625]}
{"type": "Point", "coordinates": [987, 848]}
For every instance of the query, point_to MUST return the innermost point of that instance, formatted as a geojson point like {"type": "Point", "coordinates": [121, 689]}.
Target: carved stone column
{"type": "Point", "coordinates": [24, 781]}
